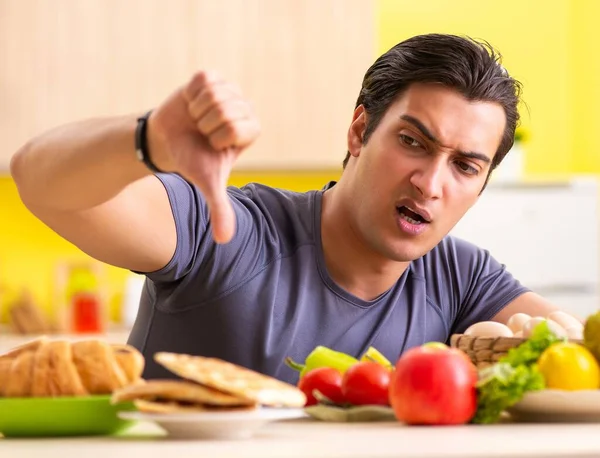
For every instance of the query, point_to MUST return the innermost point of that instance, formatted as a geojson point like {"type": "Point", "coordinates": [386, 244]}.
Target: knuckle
{"type": "Point", "coordinates": [218, 142]}
{"type": "Point", "coordinates": [231, 131]}
{"type": "Point", "coordinates": [221, 112]}
{"type": "Point", "coordinates": [211, 96]}
{"type": "Point", "coordinates": [199, 77]}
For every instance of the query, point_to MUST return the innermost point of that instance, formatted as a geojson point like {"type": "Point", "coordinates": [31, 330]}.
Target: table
{"type": "Point", "coordinates": [304, 438]}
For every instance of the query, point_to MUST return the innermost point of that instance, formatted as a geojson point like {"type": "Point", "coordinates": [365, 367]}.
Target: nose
{"type": "Point", "coordinates": [429, 178]}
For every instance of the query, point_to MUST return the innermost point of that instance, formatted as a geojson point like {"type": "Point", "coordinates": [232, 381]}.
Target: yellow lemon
{"type": "Point", "coordinates": [569, 366]}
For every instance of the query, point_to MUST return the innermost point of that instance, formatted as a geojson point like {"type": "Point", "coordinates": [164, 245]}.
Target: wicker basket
{"type": "Point", "coordinates": [485, 351]}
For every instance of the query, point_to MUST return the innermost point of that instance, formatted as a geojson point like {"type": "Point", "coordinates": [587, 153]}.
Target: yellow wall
{"type": "Point", "coordinates": [29, 251]}
{"type": "Point", "coordinates": [585, 85]}
{"type": "Point", "coordinates": [534, 37]}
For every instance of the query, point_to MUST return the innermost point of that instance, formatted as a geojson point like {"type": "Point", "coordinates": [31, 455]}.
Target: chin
{"type": "Point", "coordinates": [404, 252]}
{"type": "Point", "coordinates": [407, 255]}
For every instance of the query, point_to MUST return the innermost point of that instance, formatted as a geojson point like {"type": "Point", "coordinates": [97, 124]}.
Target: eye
{"type": "Point", "coordinates": [409, 141]}
{"type": "Point", "coordinates": [467, 168]}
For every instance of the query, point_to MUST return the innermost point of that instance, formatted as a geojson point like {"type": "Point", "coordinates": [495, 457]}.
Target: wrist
{"type": "Point", "coordinates": [148, 146]}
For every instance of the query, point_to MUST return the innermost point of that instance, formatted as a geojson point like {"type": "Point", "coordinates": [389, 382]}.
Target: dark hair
{"type": "Point", "coordinates": [471, 67]}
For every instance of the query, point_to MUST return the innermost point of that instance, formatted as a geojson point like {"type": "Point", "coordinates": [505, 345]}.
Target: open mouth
{"type": "Point", "coordinates": [411, 216]}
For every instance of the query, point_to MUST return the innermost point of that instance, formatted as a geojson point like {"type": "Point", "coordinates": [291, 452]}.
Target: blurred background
{"type": "Point", "coordinates": [301, 62]}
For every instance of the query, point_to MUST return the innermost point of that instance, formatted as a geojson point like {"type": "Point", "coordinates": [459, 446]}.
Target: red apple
{"type": "Point", "coordinates": [431, 386]}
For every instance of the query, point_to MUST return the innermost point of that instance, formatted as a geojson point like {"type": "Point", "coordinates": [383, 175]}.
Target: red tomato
{"type": "Point", "coordinates": [325, 379]}
{"type": "Point", "coordinates": [366, 383]}
{"type": "Point", "coordinates": [434, 387]}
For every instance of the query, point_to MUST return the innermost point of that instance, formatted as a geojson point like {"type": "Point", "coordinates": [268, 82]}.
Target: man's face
{"type": "Point", "coordinates": [421, 169]}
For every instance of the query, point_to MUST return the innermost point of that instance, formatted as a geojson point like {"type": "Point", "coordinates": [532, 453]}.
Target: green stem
{"type": "Point", "coordinates": [294, 365]}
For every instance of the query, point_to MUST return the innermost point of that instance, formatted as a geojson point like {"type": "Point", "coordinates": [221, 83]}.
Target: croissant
{"type": "Point", "coordinates": [44, 368]}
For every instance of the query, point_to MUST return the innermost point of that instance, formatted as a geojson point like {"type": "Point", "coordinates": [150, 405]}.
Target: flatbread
{"type": "Point", "coordinates": [178, 390]}
{"type": "Point", "coordinates": [230, 378]}
{"type": "Point", "coordinates": [174, 407]}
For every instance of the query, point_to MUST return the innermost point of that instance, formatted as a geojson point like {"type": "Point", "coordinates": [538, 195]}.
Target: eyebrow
{"type": "Point", "coordinates": [427, 133]}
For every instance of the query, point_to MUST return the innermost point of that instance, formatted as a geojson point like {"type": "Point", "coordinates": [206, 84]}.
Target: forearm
{"type": "Point", "coordinates": [79, 165]}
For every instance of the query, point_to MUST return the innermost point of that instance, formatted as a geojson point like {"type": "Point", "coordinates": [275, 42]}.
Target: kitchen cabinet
{"type": "Point", "coordinates": [300, 63]}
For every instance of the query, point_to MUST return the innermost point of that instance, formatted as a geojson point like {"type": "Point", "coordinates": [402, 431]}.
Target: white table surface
{"type": "Point", "coordinates": [306, 438]}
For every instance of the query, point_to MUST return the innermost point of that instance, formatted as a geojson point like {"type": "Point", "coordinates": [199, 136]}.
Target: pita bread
{"type": "Point", "coordinates": [176, 390]}
{"type": "Point", "coordinates": [230, 378]}
{"type": "Point", "coordinates": [174, 407]}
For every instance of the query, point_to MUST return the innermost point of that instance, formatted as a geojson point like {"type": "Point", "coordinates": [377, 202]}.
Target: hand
{"type": "Point", "coordinates": [199, 132]}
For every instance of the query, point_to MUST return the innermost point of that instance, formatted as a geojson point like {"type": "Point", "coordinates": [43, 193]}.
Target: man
{"type": "Point", "coordinates": [256, 274]}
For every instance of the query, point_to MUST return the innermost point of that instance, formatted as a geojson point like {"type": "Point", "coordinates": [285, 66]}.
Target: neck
{"type": "Point", "coordinates": [351, 262]}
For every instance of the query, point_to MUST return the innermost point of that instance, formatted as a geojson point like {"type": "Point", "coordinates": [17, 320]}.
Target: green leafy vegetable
{"type": "Point", "coordinates": [529, 351]}
{"type": "Point", "coordinates": [506, 382]}
{"type": "Point", "coordinates": [503, 386]}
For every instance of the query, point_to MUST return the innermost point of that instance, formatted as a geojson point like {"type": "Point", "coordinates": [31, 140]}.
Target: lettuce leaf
{"type": "Point", "coordinates": [506, 382]}
{"type": "Point", "coordinates": [503, 386]}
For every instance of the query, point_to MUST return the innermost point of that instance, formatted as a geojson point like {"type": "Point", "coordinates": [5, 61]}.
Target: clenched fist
{"type": "Point", "coordinates": [199, 132]}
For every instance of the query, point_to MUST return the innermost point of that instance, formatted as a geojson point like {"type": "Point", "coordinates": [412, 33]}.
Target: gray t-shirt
{"type": "Point", "coordinates": [267, 294]}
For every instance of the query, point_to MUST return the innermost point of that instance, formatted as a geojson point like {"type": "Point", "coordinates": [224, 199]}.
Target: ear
{"type": "Point", "coordinates": [357, 130]}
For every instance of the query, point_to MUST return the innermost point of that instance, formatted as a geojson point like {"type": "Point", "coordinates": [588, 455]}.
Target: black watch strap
{"type": "Point", "coordinates": [141, 143]}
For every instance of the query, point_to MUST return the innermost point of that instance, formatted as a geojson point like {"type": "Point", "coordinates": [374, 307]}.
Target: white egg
{"type": "Point", "coordinates": [530, 325]}
{"type": "Point", "coordinates": [565, 320]}
{"type": "Point", "coordinates": [519, 334]}
{"type": "Point", "coordinates": [489, 329]}
{"type": "Point", "coordinates": [575, 333]}
{"type": "Point", "coordinates": [516, 322]}
{"type": "Point", "coordinates": [556, 328]}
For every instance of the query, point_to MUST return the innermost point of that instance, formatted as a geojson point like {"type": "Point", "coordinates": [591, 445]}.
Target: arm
{"type": "Point", "coordinates": [84, 181]}
{"type": "Point", "coordinates": [530, 303]}
{"type": "Point", "coordinates": [485, 290]}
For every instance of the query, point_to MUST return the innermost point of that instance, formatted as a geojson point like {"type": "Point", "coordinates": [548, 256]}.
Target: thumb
{"type": "Point", "coordinates": [214, 188]}
{"type": "Point", "coordinates": [222, 216]}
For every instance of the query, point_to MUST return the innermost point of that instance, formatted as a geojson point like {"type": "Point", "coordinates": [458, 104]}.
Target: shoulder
{"type": "Point", "coordinates": [279, 205]}
{"type": "Point", "coordinates": [272, 198]}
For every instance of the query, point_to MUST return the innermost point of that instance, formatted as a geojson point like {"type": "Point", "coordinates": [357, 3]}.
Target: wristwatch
{"type": "Point", "coordinates": [141, 143]}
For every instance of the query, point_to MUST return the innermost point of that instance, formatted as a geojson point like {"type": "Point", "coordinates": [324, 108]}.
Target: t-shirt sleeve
{"type": "Point", "coordinates": [214, 267]}
{"type": "Point", "coordinates": [478, 285]}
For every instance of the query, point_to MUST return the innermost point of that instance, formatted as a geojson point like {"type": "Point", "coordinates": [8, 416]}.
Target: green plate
{"type": "Point", "coordinates": [61, 416]}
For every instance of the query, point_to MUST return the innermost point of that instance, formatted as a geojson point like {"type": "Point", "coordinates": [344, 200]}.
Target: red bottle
{"type": "Point", "coordinates": [87, 317]}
